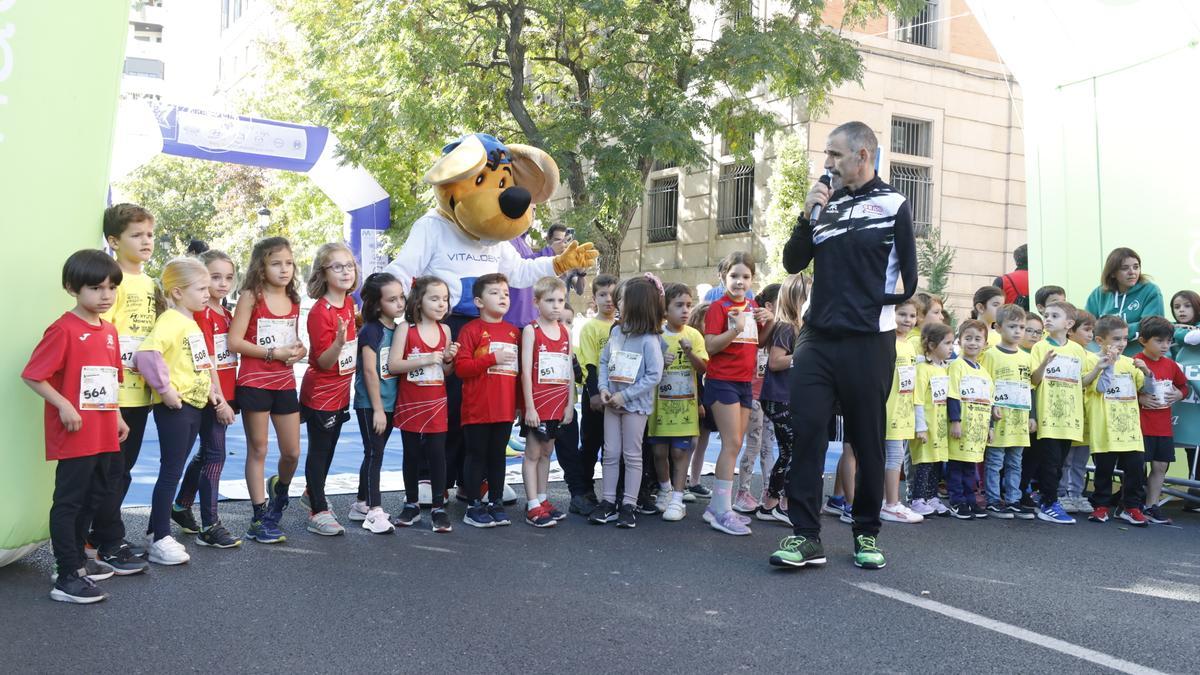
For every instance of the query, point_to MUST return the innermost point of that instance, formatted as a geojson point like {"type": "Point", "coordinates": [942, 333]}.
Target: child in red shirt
{"type": "Point", "coordinates": [76, 368]}
{"type": "Point", "coordinates": [1156, 335]}
{"type": "Point", "coordinates": [487, 365]}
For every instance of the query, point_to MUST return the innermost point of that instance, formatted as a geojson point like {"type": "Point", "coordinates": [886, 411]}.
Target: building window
{"type": "Point", "coordinates": [140, 67]}
{"type": "Point", "coordinates": [662, 164]}
{"type": "Point", "coordinates": [915, 184]}
{"type": "Point", "coordinates": [920, 30]}
{"type": "Point", "coordinates": [662, 201]}
{"type": "Point", "coordinates": [735, 198]}
{"type": "Point", "coordinates": [911, 137]}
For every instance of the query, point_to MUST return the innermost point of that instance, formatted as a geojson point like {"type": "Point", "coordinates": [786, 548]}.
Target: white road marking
{"type": "Point", "coordinates": [968, 577]}
{"type": "Point", "coordinates": [1160, 588]}
{"type": "Point", "coordinates": [435, 549]}
{"type": "Point", "coordinates": [1054, 644]}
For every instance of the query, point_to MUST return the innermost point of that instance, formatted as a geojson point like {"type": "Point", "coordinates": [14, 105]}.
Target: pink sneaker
{"type": "Point", "coordinates": [745, 502]}
{"type": "Point", "coordinates": [728, 522]}
{"type": "Point", "coordinates": [921, 508]}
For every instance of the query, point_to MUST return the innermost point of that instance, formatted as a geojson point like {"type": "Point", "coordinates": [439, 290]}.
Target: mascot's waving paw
{"type": "Point", "coordinates": [577, 256]}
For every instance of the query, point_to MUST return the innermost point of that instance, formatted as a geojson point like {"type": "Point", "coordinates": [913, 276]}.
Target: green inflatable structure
{"type": "Point", "coordinates": [60, 70]}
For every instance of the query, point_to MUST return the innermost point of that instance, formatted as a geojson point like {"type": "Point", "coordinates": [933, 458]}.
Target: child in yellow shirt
{"type": "Point", "coordinates": [1009, 368]}
{"type": "Point", "coordinates": [969, 409]}
{"type": "Point", "coordinates": [930, 448]}
{"type": "Point", "coordinates": [1074, 475]}
{"type": "Point", "coordinates": [901, 418]}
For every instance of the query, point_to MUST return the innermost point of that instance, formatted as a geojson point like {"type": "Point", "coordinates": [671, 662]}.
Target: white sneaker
{"type": "Point", "coordinates": [510, 495]}
{"type": "Point", "coordinates": [674, 511]}
{"type": "Point", "coordinates": [899, 513]}
{"type": "Point", "coordinates": [688, 498]}
{"type": "Point", "coordinates": [921, 508]}
{"type": "Point", "coordinates": [662, 501]}
{"type": "Point", "coordinates": [377, 521]}
{"type": "Point", "coordinates": [940, 508]}
{"type": "Point", "coordinates": [358, 512]}
{"type": "Point", "coordinates": [325, 524]}
{"type": "Point", "coordinates": [167, 551]}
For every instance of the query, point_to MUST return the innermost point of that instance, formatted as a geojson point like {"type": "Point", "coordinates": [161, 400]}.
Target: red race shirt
{"type": "Point", "coordinates": [1158, 422]}
{"type": "Point", "coordinates": [552, 374]}
{"type": "Point", "coordinates": [329, 390]}
{"type": "Point", "coordinates": [214, 324]}
{"type": "Point", "coordinates": [421, 398]}
{"type": "Point", "coordinates": [269, 330]}
{"type": "Point", "coordinates": [83, 363]}
{"type": "Point", "coordinates": [737, 362]}
{"type": "Point", "coordinates": [489, 391]}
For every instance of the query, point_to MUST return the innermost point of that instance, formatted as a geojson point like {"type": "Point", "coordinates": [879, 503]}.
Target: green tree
{"type": "Point", "coordinates": [788, 187]}
{"type": "Point", "coordinates": [935, 261]}
{"type": "Point", "coordinates": [606, 86]}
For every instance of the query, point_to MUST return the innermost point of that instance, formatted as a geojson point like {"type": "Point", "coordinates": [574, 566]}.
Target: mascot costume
{"type": "Point", "coordinates": [485, 195]}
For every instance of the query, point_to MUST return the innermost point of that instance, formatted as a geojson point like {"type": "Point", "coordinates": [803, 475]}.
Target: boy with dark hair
{"type": "Point", "coordinates": [1047, 295]}
{"type": "Point", "coordinates": [76, 368]}
{"type": "Point", "coordinates": [1169, 383]}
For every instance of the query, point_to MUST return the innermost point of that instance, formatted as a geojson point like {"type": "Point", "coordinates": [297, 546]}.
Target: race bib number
{"type": "Point", "coordinates": [1121, 389]}
{"type": "Point", "coordinates": [277, 332]}
{"type": "Point", "coordinates": [427, 376]}
{"type": "Point", "coordinates": [939, 388]}
{"type": "Point", "coordinates": [348, 358]}
{"type": "Point", "coordinates": [385, 373]}
{"type": "Point", "coordinates": [973, 389]}
{"type": "Point", "coordinates": [1063, 369]}
{"type": "Point", "coordinates": [553, 368]}
{"type": "Point", "coordinates": [906, 379]}
{"type": "Point", "coordinates": [762, 363]}
{"type": "Point", "coordinates": [623, 367]}
{"type": "Point", "coordinates": [200, 359]}
{"type": "Point", "coordinates": [676, 385]}
{"type": "Point", "coordinates": [1013, 395]}
{"type": "Point", "coordinates": [98, 388]}
{"type": "Point", "coordinates": [224, 357]}
{"type": "Point", "coordinates": [129, 345]}
{"type": "Point", "coordinates": [749, 332]}
{"type": "Point", "coordinates": [501, 368]}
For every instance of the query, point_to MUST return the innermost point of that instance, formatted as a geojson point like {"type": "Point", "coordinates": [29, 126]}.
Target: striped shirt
{"type": "Point", "coordinates": [861, 247]}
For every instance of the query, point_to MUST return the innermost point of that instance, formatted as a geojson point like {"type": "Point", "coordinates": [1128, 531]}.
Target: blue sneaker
{"type": "Point", "coordinates": [499, 517]}
{"type": "Point", "coordinates": [477, 516]}
{"type": "Point", "coordinates": [275, 504]}
{"type": "Point", "coordinates": [1054, 513]}
{"type": "Point", "coordinates": [834, 506]}
{"type": "Point", "coordinates": [266, 531]}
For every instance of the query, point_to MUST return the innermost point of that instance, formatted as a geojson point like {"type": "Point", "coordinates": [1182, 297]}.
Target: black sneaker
{"type": "Point", "coordinates": [410, 515]}
{"type": "Point", "coordinates": [961, 511]}
{"type": "Point", "coordinates": [1155, 515]}
{"type": "Point", "coordinates": [184, 519]}
{"type": "Point", "coordinates": [605, 512]}
{"type": "Point", "coordinates": [626, 518]}
{"type": "Point", "coordinates": [977, 510]}
{"type": "Point", "coordinates": [700, 491]}
{"type": "Point", "coordinates": [217, 537]}
{"type": "Point", "coordinates": [1000, 511]}
{"type": "Point", "coordinates": [441, 520]}
{"type": "Point", "coordinates": [796, 551]}
{"type": "Point", "coordinates": [75, 589]}
{"type": "Point", "coordinates": [646, 506]}
{"type": "Point", "coordinates": [580, 506]}
{"type": "Point", "coordinates": [1023, 512]}
{"type": "Point", "coordinates": [123, 561]}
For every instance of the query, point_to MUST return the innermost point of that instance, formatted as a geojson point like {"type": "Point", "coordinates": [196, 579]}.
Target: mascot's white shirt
{"type": "Point", "coordinates": [436, 246]}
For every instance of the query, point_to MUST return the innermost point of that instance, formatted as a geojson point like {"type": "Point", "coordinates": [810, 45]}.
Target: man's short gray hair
{"type": "Point", "coordinates": [858, 137]}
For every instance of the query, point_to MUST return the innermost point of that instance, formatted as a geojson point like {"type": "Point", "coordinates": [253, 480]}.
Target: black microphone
{"type": "Point", "coordinates": [815, 214]}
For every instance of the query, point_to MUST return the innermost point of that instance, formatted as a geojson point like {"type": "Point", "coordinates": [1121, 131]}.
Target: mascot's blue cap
{"type": "Point", "coordinates": [497, 152]}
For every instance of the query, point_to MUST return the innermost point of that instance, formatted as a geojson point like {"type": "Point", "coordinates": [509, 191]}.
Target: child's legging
{"type": "Point", "coordinates": [373, 445]}
{"type": "Point", "coordinates": [780, 416]}
{"type": "Point", "coordinates": [429, 449]}
{"type": "Point", "coordinates": [324, 429]}
{"type": "Point", "coordinates": [177, 431]}
{"type": "Point", "coordinates": [203, 473]}
{"type": "Point", "coordinates": [623, 441]}
{"type": "Point", "coordinates": [760, 441]}
{"type": "Point", "coordinates": [924, 480]}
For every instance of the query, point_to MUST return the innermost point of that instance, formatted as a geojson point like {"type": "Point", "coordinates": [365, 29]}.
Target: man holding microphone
{"type": "Point", "coordinates": [858, 234]}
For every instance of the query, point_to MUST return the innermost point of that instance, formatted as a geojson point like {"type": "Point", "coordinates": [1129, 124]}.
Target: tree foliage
{"type": "Point", "coordinates": [788, 186]}
{"type": "Point", "coordinates": [606, 86]}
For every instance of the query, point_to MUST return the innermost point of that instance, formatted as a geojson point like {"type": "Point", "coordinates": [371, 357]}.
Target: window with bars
{"type": "Point", "coordinates": [921, 29]}
{"type": "Point", "coordinates": [735, 198]}
{"type": "Point", "coordinates": [915, 183]}
{"type": "Point", "coordinates": [911, 137]}
{"type": "Point", "coordinates": [662, 209]}
{"type": "Point", "coordinates": [661, 164]}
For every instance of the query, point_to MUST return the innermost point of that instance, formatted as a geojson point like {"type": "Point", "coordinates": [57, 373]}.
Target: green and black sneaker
{"type": "Point", "coordinates": [797, 551]}
{"type": "Point", "coordinates": [867, 553]}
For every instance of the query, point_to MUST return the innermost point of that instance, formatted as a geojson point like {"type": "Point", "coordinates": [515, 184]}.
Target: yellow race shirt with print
{"type": "Point", "coordinates": [179, 340]}
{"type": "Point", "coordinates": [1013, 395]}
{"type": "Point", "coordinates": [973, 388]}
{"type": "Point", "coordinates": [901, 421]}
{"type": "Point", "coordinates": [592, 339]}
{"type": "Point", "coordinates": [133, 314]}
{"type": "Point", "coordinates": [914, 341]}
{"type": "Point", "coordinates": [1060, 394]}
{"type": "Point", "coordinates": [993, 339]}
{"type": "Point", "coordinates": [933, 384]}
{"type": "Point", "coordinates": [676, 400]}
{"type": "Point", "coordinates": [1115, 421]}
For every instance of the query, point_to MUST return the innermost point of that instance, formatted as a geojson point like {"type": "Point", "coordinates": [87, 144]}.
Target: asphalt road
{"type": "Point", "coordinates": [665, 597]}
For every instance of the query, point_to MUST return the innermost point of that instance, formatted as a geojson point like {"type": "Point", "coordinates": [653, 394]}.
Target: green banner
{"type": "Point", "coordinates": [60, 69]}
{"type": "Point", "coordinates": [1186, 413]}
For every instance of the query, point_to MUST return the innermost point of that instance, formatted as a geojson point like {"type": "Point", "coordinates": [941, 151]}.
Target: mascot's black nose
{"type": "Point", "coordinates": [514, 201]}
